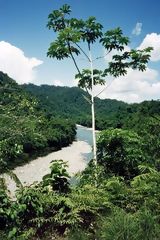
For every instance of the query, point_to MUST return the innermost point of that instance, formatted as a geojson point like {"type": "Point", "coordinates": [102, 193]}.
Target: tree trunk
{"type": "Point", "coordinates": [93, 113]}
{"type": "Point", "coordinates": [93, 132]}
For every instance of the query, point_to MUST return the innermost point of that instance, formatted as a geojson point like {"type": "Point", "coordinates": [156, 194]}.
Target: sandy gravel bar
{"type": "Point", "coordinates": [36, 169]}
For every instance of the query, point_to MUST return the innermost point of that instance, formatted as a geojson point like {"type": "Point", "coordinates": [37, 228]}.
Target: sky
{"type": "Point", "coordinates": [25, 39]}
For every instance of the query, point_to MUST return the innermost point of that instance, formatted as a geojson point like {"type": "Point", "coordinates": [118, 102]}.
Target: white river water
{"type": "Point", "coordinates": [77, 155]}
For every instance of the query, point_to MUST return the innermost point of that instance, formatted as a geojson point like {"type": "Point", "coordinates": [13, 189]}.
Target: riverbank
{"type": "Point", "coordinates": [75, 155]}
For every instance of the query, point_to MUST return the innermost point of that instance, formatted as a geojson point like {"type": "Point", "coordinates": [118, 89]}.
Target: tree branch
{"type": "Point", "coordinates": [102, 56]}
{"type": "Point", "coordinates": [87, 99]}
{"type": "Point", "coordinates": [83, 52]}
{"type": "Point", "coordinates": [105, 88]}
{"type": "Point", "coordinates": [69, 47]}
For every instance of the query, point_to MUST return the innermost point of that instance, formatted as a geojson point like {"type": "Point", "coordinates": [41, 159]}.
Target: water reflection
{"type": "Point", "coordinates": [85, 134]}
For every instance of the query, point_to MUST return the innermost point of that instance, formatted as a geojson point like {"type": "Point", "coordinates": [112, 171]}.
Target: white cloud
{"type": "Point", "coordinates": [58, 83]}
{"type": "Point", "coordinates": [152, 40]}
{"type": "Point", "coordinates": [137, 30]}
{"type": "Point", "coordinates": [16, 64]}
{"type": "Point", "coordinates": [134, 87]}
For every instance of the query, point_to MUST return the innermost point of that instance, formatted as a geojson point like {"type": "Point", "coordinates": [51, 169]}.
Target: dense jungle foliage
{"type": "Point", "coordinates": [25, 129]}
{"type": "Point", "coordinates": [117, 201]}
{"type": "Point", "coordinates": [70, 103]}
{"type": "Point", "coordinates": [114, 208]}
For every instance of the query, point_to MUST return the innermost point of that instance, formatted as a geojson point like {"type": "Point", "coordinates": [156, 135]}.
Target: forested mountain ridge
{"type": "Point", "coordinates": [24, 127]}
{"type": "Point", "coordinates": [143, 118]}
{"type": "Point", "coordinates": [70, 103]}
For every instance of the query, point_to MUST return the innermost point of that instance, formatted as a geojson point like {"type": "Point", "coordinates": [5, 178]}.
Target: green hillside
{"type": "Point", "coordinates": [25, 129]}
{"type": "Point", "coordinates": [70, 103]}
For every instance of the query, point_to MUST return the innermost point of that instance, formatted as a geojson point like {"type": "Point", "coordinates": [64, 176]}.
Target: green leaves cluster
{"type": "Point", "coordinates": [120, 152]}
{"type": "Point", "coordinates": [86, 81]}
{"type": "Point", "coordinates": [58, 179]}
{"type": "Point", "coordinates": [72, 33]}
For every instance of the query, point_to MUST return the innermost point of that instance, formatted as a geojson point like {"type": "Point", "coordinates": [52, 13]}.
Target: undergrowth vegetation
{"type": "Point", "coordinates": [114, 208]}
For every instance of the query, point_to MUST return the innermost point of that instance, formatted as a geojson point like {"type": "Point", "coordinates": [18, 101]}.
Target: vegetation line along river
{"type": "Point", "coordinates": [77, 155]}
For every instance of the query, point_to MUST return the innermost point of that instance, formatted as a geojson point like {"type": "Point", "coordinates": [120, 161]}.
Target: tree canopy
{"type": "Point", "coordinates": [72, 32]}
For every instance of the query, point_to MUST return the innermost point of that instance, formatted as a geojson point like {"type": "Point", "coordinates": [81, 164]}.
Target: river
{"type": "Point", "coordinates": [77, 155]}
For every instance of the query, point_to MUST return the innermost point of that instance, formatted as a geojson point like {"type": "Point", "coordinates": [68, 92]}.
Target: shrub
{"type": "Point", "coordinates": [120, 152]}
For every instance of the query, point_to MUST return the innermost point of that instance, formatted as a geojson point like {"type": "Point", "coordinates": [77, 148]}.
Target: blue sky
{"type": "Point", "coordinates": [24, 40]}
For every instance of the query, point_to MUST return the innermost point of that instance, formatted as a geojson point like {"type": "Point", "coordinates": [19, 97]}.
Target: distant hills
{"type": "Point", "coordinates": [70, 103]}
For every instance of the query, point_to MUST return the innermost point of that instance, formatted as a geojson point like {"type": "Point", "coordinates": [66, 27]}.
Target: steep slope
{"type": "Point", "coordinates": [24, 127]}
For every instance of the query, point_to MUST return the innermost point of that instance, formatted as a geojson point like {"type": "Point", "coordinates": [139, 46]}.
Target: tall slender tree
{"type": "Point", "coordinates": [75, 37]}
